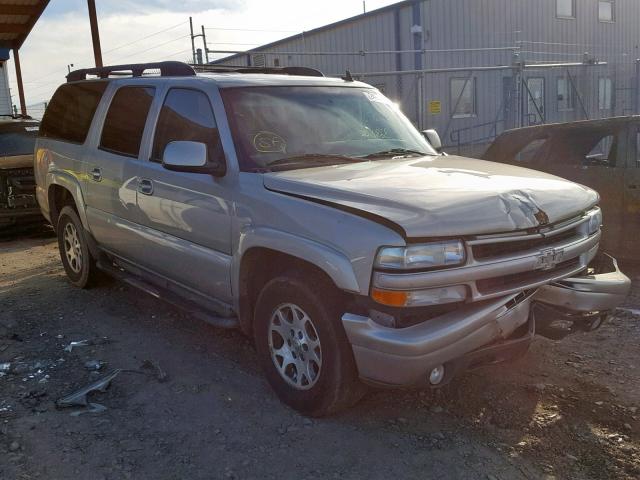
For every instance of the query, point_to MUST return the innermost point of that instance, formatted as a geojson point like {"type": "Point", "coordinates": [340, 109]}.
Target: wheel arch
{"type": "Point", "coordinates": [264, 255]}
{"type": "Point", "coordinates": [64, 189]}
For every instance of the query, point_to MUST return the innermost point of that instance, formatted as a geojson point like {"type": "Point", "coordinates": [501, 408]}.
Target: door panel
{"type": "Point", "coordinates": [112, 169]}
{"type": "Point", "coordinates": [186, 215]}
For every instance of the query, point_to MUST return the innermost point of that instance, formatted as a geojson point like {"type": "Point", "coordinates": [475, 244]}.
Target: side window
{"type": "Point", "coordinates": [125, 120]}
{"type": "Point", "coordinates": [70, 112]}
{"type": "Point", "coordinates": [603, 154]}
{"type": "Point", "coordinates": [187, 115]}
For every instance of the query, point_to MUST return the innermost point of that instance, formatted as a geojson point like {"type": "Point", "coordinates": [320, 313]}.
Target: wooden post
{"type": "Point", "coordinates": [95, 35]}
{"type": "Point", "coordinates": [16, 59]}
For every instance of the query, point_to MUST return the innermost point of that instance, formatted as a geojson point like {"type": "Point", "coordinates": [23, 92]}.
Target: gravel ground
{"type": "Point", "coordinates": [191, 401]}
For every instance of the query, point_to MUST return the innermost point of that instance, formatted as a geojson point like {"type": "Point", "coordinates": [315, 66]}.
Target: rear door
{"type": "Point", "coordinates": [112, 168]}
{"type": "Point", "coordinates": [186, 216]}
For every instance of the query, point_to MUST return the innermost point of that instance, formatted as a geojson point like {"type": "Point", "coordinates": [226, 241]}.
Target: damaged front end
{"type": "Point", "coordinates": [18, 205]}
{"type": "Point", "coordinates": [511, 287]}
{"type": "Point", "coordinates": [581, 303]}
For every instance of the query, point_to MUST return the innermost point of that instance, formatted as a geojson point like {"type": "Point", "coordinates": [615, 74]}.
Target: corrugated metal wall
{"type": "Point", "coordinates": [490, 32]}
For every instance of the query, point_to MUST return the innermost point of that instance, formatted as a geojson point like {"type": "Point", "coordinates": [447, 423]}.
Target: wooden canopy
{"type": "Point", "coordinates": [17, 18]}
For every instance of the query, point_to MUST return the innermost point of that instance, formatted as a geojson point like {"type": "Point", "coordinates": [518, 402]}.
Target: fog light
{"type": "Point", "coordinates": [436, 375]}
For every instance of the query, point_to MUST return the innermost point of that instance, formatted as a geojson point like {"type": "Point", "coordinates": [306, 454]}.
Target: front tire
{"type": "Point", "coordinates": [302, 345]}
{"type": "Point", "coordinates": [78, 263]}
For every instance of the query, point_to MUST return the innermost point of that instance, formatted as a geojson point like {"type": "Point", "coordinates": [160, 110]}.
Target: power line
{"type": "Point", "coordinates": [151, 48]}
{"type": "Point", "coordinates": [145, 37]}
{"type": "Point", "coordinates": [249, 30]}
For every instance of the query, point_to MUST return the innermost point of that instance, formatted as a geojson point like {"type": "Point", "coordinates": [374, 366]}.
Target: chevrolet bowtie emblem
{"type": "Point", "coordinates": [549, 258]}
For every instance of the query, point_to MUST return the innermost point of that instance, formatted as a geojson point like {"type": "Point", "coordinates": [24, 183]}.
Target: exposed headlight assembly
{"type": "Point", "coordinates": [595, 220]}
{"type": "Point", "coordinates": [444, 253]}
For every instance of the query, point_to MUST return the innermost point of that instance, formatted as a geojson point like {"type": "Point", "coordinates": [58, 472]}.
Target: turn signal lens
{"type": "Point", "coordinates": [420, 298]}
{"type": "Point", "coordinates": [390, 297]}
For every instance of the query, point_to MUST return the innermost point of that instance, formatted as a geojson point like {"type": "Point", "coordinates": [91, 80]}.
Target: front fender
{"type": "Point", "coordinates": [72, 184]}
{"type": "Point", "coordinates": [335, 264]}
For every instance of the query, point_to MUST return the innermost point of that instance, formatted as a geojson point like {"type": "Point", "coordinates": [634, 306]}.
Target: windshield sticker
{"type": "Point", "coordinates": [269, 142]}
{"type": "Point", "coordinates": [376, 96]}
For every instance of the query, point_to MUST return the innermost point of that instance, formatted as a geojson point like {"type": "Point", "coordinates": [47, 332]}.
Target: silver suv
{"type": "Point", "coordinates": [309, 212]}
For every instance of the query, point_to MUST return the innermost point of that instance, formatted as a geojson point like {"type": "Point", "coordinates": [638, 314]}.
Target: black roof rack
{"type": "Point", "coordinates": [167, 69]}
{"type": "Point", "coordinates": [297, 71]}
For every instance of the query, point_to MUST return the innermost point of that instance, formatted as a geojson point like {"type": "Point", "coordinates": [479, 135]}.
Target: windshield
{"type": "Point", "coordinates": [297, 127]}
{"type": "Point", "coordinates": [17, 139]}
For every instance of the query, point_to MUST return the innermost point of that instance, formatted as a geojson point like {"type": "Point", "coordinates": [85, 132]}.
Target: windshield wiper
{"type": "Point", "coordinates": [311, 160]}
{"type": "Point", "coordinates": [396, 152]}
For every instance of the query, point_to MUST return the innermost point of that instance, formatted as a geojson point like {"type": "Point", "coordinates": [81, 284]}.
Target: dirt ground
{"type": "Point", "coordinates": [568, 409]}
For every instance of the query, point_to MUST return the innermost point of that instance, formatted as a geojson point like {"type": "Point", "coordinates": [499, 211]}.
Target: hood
{"type": "Point", "coordinates": [441, 196]}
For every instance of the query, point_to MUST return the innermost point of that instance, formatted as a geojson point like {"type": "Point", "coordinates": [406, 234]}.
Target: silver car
{"type": "Point", "coordinates": [310, 213]}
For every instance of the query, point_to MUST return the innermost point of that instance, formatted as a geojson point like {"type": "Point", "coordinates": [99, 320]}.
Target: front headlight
{"type": "Point", "coordinates": [595, 220]}
{"type": "Point", "coordinates": [422, 256]}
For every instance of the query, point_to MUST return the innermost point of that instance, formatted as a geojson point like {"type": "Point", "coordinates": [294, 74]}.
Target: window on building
{"type": "Point", "coordinates": [606, 10]}
{"type": "Point", "coordinates": [566, 97]}
{"type": "Point", "coordinates": [535, 100]}
{"type": "Point", "coordinates": [605, 93]}
{"type": "Point", "coordinates": [70, 112]}
{"type": "Point", "coordinates": [125, 120]}
{"type": "Point", "coordinates": [463, 97]}
{"type": "Point", "coordinates": [276, 62]}
{"type": "Point", "coordinates": [566, 8]}
{"type": "Point", "coordinates": [186, 115]}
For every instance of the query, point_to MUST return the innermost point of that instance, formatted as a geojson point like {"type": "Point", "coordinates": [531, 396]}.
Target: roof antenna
{"type": "Point", "coordinates": [347, 77]}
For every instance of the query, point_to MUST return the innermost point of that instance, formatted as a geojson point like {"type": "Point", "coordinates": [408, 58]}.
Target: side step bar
{"type": "Point", "coordinates": [162, 294]}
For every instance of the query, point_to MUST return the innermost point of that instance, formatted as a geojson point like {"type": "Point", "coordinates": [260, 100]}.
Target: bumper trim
{"type": "Point", "coordinates": [588, 293]}
{"type": "Point", "coordinates": [405, 356]}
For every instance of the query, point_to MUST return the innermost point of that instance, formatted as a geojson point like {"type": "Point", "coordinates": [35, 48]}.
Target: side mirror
{"type": "Point", "coordinates": [434, 139]}
{"type": "Point", "coordinates": [183, 156]}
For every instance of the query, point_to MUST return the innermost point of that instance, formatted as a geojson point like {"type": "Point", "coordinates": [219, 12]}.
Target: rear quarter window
{"type": "Point", "coordinates": [71, 110]}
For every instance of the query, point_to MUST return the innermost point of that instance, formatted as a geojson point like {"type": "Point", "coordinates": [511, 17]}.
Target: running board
{"type": "Point", "coordinates": [162, 294]}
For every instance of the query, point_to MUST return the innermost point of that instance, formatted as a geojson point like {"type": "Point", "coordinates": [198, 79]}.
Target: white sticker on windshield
{"type": "Point", "coordinates": [376, 96]}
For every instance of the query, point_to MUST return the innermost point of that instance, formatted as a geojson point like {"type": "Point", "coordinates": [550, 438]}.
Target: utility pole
{"type": "Point", "coordinates": [197, 58]}
{"type": "Point", "coordinates": [206, 49]}
{"type": "Point", "coordinates": [193, 45]}
{"type": "Point", "coordinates": [95, 35]}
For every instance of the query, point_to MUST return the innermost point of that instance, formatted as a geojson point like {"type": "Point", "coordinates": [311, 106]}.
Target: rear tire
{"type": "Point", "coordinates": [302, 345]}
{"type": "Point", "coordinates": [78, 263]}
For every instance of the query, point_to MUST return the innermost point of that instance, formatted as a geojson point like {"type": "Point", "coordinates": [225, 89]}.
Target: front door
{"type": "Point", "coordinates": [111, 169]}
{"type": "Point", "coordinates": [186, 216]}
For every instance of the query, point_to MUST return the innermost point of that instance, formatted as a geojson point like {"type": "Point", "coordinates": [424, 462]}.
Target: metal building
{"type": "Point", "coordinates": [472, 68]}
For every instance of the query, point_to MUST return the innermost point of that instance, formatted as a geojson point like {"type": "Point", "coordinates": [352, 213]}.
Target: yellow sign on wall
{"type": "Point", "coordinates": [435, 107]}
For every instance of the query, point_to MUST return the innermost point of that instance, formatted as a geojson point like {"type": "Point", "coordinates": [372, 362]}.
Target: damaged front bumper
{"type": "Point", "coordinates": [482, 332]}
{"type": "Point", "coordinates": [583, 302]}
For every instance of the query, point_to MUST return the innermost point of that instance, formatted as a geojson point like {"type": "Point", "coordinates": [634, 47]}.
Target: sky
{"type": "Point", "coordinates": [153, 30]}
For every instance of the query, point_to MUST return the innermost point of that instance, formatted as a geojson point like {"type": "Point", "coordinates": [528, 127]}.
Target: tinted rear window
{"type": "Point", "coordinates": [69, 115]}
{"type": "Point", "coordinates": [124, 124]}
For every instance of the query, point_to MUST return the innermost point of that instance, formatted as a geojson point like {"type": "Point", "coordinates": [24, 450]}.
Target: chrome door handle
{"type": "Point", "coordinates": [145, 186]}
{"type": "Point", "coordinates": [96, 174]}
